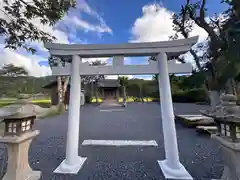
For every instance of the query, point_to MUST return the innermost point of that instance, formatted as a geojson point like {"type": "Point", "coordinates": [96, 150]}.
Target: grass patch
{"type": "Point", "coordinates": [2, 104]}
{"type": "Point", "coordinates": [132, 99]}
{"type": "Point", "coordinates": [129, 99]}
{"type": "Point", "coordinates": [45, 103]}
{"type": "Point", "coordinates": [41, 101]}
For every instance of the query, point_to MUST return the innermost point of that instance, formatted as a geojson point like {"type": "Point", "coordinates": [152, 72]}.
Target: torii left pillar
{"type": "Point", "coordinates": [73, 162]}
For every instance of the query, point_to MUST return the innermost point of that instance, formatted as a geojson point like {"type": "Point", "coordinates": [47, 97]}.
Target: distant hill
{"type": "Point", "coordinates": [13, 86]}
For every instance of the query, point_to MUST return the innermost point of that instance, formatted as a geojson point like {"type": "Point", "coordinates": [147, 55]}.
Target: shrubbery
{"type": "Point", "coordinates": [187, 96]}
{"type": "Point", "coordinates": [190, 96]}
{"type": "Point", "coordinates": [88, 99]}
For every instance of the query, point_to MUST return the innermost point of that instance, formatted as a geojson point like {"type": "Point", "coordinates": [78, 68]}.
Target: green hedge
{"type": "Point", "coordinates": [190, 96]}
{"type": "Point", "coordinates": [88, 99]}
{"type": "Point", "coordinates": [41, 104]}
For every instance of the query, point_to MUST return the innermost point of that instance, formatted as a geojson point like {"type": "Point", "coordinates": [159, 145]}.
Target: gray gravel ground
{"type": "Point", "coordinates": [199, 154]}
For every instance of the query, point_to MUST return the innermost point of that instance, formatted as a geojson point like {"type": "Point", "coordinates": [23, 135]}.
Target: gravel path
{"type": "Point", "coordinates": [199, 154]}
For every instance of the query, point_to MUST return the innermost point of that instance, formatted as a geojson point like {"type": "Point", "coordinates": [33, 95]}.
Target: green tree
{"type": "Point", "coordinates": [62, 81]}
{"type": "Point", "coordinates": [93, 79]}
{"type": "Point", "coordinates": [231, 52]}
{"type": "Point", "coordinates": [13, 71]}
{"type": "Point", "coordinates": [124, 81]}
{"type": "Point", "coordinates": [17, 27]}
{"type": "Point", "coordinates": [216, 66]}
{"type": "Point", "coordinates": [96, 78]}
{"type": "Point", "coordinates": [9, 87]}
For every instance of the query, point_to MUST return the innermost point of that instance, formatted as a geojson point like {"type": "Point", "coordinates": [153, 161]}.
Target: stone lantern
{"type": "Point", "coordinates": [227, 119]}
{"type": "Point", "coordinates": [18, 125]}
{"type": "Point", "coordinates": [18, 135]}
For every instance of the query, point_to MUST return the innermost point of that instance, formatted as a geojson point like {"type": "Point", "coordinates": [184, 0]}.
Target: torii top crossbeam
{"type": "Point", "coordinates": [118, 52]}
{"type": "Point", "coordinates": [171, 48]}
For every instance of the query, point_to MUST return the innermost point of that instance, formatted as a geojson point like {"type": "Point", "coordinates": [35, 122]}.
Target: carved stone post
{"type": "Point", "coordinates": [18, 167]}
{"type": "Point", "coordinates": [227, 119]}
{"type": "Point", "coordinates": [231, 158]}
{"type": "Point", "coordinates": [18, 135]}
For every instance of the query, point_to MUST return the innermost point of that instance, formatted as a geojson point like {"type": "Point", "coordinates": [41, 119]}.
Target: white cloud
{"type": "Point", "coordinates": [155, 24]}
{"type": "Point", "coordinates": [29, 63]}
{"type": "Point", "coordinates": [76, 22]}
{"type": "Point", "coordinates": [102, 27]}
{"type": "Point", "coordinates": [61, 37]}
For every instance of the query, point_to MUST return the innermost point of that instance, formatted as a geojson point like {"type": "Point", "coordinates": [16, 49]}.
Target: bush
{"type": "Point", "coordinates": [3, 104]}
{"type": "Point", "coordinates": [88, 99]}
{"type": "Point", "coordinates": [155, 100]}
{"type": "Point", "coordinates": [155, 94]}
{"type": "Point", "coordinates": [190, 96]}
{"type": "Point", "coordinates": [137, 99]}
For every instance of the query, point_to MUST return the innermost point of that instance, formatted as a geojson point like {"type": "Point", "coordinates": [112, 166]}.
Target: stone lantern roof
{"type": "Point", "coordinates": [227, 110]}
{"type": "Point", "coordinates": [16, 111]}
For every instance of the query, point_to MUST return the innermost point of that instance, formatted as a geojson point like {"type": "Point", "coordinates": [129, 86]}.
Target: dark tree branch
{"type": "Point", "coordinates": [6, 14]}
{"type": "Point", "coordinates": [202, 11]}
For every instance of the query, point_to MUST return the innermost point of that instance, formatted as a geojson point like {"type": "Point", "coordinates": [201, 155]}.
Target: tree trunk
{"type": "Point", "coordinates": [96, 93]}
{"type": "Point", "coordinates": [62, 88]}
{"type": "Point", "coordinates": [92, 89]}
{"type": "Point", "coordinates": [61, 105]}
{"type": "Point", "coordinates": [238, 92]}
{"type": "Point", "coordinates": [65, 86]}
{"type": "Point", "coordinates": [214, 98]}
{"type": "Point", "coordinates": [124, 95]}
{"type": "Point", "coordinates": [140, 93]}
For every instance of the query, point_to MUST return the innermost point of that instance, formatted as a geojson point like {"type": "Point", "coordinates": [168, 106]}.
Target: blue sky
{"type": "Point", "coordinates": [108, 21]}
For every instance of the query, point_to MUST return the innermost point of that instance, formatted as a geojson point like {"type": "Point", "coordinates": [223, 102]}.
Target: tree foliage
{"type": "Point", "coordinates": [94, 78]}
{"type": "Point", "coordinates": [216, 60]}
{"type": "Point", "coordinates": [17, 24]}
{"type": "Point", "coordinates": [13, 71]}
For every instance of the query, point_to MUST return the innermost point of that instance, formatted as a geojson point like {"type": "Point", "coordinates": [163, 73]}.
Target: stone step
{"type": "Point", "coordinates": [207, 129]}
{"type": "Point", "coordinates": [194, 120]}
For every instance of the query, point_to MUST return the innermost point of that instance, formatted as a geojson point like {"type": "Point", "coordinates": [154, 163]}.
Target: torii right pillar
{"type": "Point", "coordinates": [171, 166]}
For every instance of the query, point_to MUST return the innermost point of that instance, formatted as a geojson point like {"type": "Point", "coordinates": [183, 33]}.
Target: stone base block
{"type": "Point", "coordinates": [32, 175]}
{"type": "Point", "coordinates": [170, 173]}
{"type": "Point", "coordinates": [65, 168]}
{"type": "Point", "coordinates": [231, 158]}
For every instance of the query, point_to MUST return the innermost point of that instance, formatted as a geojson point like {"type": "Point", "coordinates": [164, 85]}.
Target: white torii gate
{"type": "Point", "coordinates": [171, 166]}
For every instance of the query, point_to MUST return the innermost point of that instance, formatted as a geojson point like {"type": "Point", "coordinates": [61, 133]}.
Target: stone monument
{"type": "Point", "coordinates": [18, 135]}
{"type": "Point", "coordinates": [227, 118]}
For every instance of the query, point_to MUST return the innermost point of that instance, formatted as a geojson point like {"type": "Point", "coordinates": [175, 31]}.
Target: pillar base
{"type": "Point", "coordinates": [65, 168]}
{"type": "Point", "coordinates": [171, 173]}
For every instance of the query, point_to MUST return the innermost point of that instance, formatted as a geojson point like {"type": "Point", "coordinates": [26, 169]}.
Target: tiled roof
{"type": "Point", "coordinates": [109, 83]}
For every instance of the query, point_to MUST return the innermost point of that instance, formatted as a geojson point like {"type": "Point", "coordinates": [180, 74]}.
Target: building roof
{"type": "Point", "coordinates": [52, 84]}
{"type": "Point", "coordinates": [109, 83]}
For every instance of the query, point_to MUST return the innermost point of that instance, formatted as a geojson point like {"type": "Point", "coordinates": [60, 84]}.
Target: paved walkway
{"type": "Point", "coordinates": [107, 103]}
{"type": "Point", "coordinates": [139, 121]}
